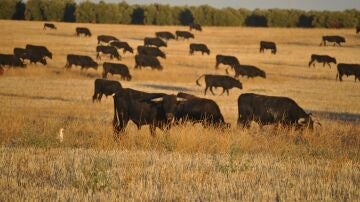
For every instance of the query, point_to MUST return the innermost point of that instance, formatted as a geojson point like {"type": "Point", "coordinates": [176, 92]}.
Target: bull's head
{"type": "Point", "coordinates": [238, 84]}
{"type": "Point", "coordinates": [43, 61]}
{"type": "Point", "coordinates": [334, 60]}
{"type": "Point", "coordinates": [308, 122]}
{"type": "Point", "coordinates": [95, 65]}
{"type": "Point", "coordinates": [273, 51]}
{"type": "Point", "coordinates": [169, 104]}
{"type": "Point", "coordinates": [263, 74]}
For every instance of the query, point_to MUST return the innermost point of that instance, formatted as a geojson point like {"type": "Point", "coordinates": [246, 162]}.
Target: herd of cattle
{"type": "Point", "coordinates": [159, 110]}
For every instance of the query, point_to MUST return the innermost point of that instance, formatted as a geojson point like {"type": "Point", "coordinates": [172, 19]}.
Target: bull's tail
{"type": "Point", "coordinates": [197, 81]}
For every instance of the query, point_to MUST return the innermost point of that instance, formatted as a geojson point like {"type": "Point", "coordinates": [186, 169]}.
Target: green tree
{"type": "Point", "coordinates": [107, 13]}
{"type": "Point", "coordinates": [7, 8]}
{"type": "Point", "coordinates": [35, 10]}
{"type": "Point", "coordinates": [86, 12]}
{"type": "Point", "coordinates": [126, 10]}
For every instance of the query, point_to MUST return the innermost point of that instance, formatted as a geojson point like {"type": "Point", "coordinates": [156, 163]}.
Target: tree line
{"type": "Point", "coordinates": [158, 14]}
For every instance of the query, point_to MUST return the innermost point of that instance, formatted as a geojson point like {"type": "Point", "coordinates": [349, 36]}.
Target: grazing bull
{"type": "Point", "coordinates": [195, 26]}
{"type": "Point", "coordinates": [267, 110]}
{"type": "Point", "coordinates": [105, 87]}
{"type": "Point", "coordinates": [83, 30]}
{"type": "Point", "coordinates": [149, 41]}
{"type": "Point", "coordinates": [36, 57]}
{"type": "Point", "coordinates": [348, 70]}
{"type": "Point", "coordinates": [165, 35]}
{"type": "Point", "coordinates": [11, 61]}
{"type": "Point", "coordinates": [150, 51]}
{"type": "Point", "coordinates": [325, 59]}
{"type": "Point", "coordinates": [199, 110]}
{"type": "Point", "coordinates": [80, 60]}
{"type": "Point", "coordinates": [115, 68]}
{"type": "Point", "coordinates": [199, 47]}
{"type": "Point", "coordinates": [107, 50]}
{"type": "Point", "coordinates": [49, 25]}
{"type": "Point", "coordinates": [106, 39]}
{"type": "Point", "coordinates": [268, 45]}
{"type": "Point", "coordinates": [147, 61]}
{"type": "Point", "coordinates": [334, 39]}
{"type": "Point", "coordinates": [226, 60]}
{"type": "Point", "coordinates": [248, 70]}
{"type": "Point", "coordinates": [38, 50]}
{"type": "Point", "coordinates": [122, 45]}
{"type": "Point", "coordinates": [357, 29]}
{"type": "Point", "coordinates": [184, 34]}
{"type": "Point", "coordinates": [142, 109]}
{"type": "Point", "coordinates": [33, 56]}
{"type": "Point", "coordinates": [226, 82]}
{"type": "Point", "coordinates": [21, 53]}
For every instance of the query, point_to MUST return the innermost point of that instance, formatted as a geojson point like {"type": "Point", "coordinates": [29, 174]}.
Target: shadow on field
{"type": "Point", "coordinates": [301, 43]}
{"type": "Point", "coordinates": [36, 97]}
{"type": "Point", "coordinates": [73, 35]}
{"type": "Point", "coordinates": [284, 64]}
{"type": "Point", "coordinates": [340, 116]}
{"type": "Point", "coordinates": [166, 87]}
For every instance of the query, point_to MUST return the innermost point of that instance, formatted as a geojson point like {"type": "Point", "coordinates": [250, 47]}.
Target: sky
{"type": "Point", "coordinates": [252, 4]}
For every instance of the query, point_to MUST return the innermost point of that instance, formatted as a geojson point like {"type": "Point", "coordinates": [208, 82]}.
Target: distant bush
{"type": "Point", "coordinates": [158, 14]}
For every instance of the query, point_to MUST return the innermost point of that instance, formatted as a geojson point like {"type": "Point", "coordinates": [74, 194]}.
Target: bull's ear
{"type": "Point", "coordinates": [310, 114]}
{"type": "Point", "coordinates": [301, 120]}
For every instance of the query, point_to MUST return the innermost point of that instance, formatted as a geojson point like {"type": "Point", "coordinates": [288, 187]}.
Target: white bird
{"type": "Point", "coordinates": [61, 135]}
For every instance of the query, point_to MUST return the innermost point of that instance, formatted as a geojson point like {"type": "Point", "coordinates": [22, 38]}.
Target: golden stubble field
{"type": "Point", "coordinates": [189, 162]}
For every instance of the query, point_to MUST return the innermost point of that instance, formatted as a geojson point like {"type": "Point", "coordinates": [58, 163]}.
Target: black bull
{"type": "Point", "coordinates": [144, 109]}
{"type": "Point", "coordinates": [267, 110]}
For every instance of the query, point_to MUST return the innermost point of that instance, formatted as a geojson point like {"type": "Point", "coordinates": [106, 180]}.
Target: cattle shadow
{"type": "Point", "coordinates": [301, 44]}
{"type": "Point", "coordinates": [284, 64]}
{"type": "Point", "coordinates": [166, 87]}
{"type": "Point", "coordinates": [36, 97]}
{"type": "Point", "coordinates": [312, 77]}
{"type": "Point", "coordinates": [73, 35]}
{"type": "Point", "coordinates": [338, 116]}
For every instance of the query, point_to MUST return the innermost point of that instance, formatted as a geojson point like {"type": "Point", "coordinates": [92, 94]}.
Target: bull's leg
{"type": "Point", "coordinates": [216, 65]}
{"type": "Point", "coordinates": [94, 96]}
{"type": "Point", "coordinates": [98, 56]}
{"type": "Point", "coordinates": [206, 89]}
{"type": "Point", "coordinates": [311, 62]}
{"type": "Point", "coordinates": [227, 91]}
{"type": "Point", "coordinates": [223, 91]}
{"type": "Point", "coordinates": [244, 123]}
{"type": "Point", "coordinates": [211, 90]}
{"type": "Point", "coordinates": [99, 97]}
{"type": "Point", "coordinates": [152, 128]}
{"type": "Point", "coordinates": [329, 65]}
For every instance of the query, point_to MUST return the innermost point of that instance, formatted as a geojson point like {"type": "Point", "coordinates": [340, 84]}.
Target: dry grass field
{"type": "Point", "coordinates": [189, 162]}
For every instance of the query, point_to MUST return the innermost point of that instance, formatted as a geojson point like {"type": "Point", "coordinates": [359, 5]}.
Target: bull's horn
{"type": "Point", "coordinates": [158, 99]}
{"type": "Point", "coordinates": [317, 122]}
{"type": "Point", "coordinates": [301, 120]}
{"type": "Point", "coordinates": [113, 94]}
{"type": "Point", "coordinates": [180, 99]}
